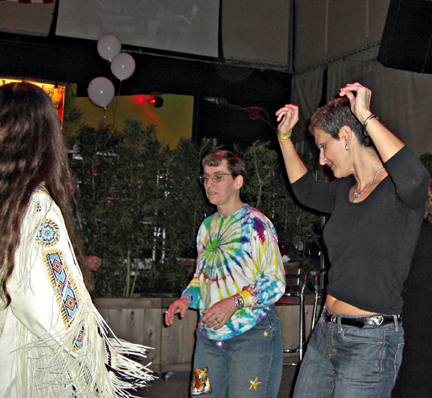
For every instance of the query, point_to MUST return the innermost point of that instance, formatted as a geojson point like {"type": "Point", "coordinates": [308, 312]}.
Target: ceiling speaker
{"type": "Point", "coordinates": [407, 38]}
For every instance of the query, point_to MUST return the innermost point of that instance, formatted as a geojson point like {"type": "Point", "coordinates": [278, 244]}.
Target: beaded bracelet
{"type": "Point", "coordinates": [284, 136]}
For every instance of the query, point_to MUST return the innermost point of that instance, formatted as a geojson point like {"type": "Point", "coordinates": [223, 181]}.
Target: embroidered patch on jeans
{"type": "Point", "coordinates": [48, 233]}
{"type": "Point", "coordinates": [254, 384]}
{"type": "Point", "coordinates": [200, 382]}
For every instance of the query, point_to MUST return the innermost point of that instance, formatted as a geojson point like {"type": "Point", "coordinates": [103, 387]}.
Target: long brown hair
{"type": "Point", "coordinates": [32, 151]}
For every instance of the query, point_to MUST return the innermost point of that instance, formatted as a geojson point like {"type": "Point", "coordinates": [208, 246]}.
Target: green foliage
{"type": "Point", "coordinates": [268, 190]}
{"type": "Point", "coordinates": [184, 206]}
{"type": "Point", "coordinates": [71, 121]}
{"type": "Point", "coordinates": [139, 204]}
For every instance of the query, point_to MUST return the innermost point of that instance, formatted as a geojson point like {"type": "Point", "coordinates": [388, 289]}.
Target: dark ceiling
{"type": "Point", "coordinates": [77, 61]}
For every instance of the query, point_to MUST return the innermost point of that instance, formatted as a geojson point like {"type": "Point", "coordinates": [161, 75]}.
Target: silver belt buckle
{"type": "Point", "coordinates": [377, 319]}
{"type": "Point", "coordinates": [333, 318]}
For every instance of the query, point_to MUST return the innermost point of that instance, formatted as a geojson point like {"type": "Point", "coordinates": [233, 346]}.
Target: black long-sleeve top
{"type": "Point", "coordinates": [371, 243]}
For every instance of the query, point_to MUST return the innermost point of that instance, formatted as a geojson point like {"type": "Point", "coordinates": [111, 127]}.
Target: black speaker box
{"type": "Point", "coordinates": [407, 38]}
{"type": "Point", "coordinates": [234, 122]}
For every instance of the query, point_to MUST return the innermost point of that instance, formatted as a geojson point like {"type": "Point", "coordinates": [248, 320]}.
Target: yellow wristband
{"type": "Point", "coordinates": [284, 136]}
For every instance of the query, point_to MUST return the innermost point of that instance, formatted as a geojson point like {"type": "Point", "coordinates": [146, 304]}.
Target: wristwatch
{"type": "Point", "coordinates": [239, 302]}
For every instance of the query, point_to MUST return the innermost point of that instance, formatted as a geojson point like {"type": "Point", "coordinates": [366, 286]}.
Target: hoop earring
{"type": "Point", "coordinates": [346, 146]}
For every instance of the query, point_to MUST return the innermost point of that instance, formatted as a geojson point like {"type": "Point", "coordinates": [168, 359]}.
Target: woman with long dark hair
{"type": "Point", "coordinates": [53, 342]}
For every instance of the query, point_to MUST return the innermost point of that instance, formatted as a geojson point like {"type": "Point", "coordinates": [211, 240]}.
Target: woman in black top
{"type": "Point", "coordinates": [376, 204]}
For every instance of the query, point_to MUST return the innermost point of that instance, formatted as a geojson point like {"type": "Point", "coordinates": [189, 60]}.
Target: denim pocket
{"type": "Point", "coordinates": [363, 335]}
{"type": "Point", "coordinates": [367, 346]}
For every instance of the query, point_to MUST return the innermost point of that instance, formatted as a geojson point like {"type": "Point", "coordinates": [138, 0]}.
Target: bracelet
{"type": "Point", "coordinates": [188, 296]}
{"type": "Point", "coordinates": [284, 136]}
{"type": "Point", "coordinates": [368, 119]}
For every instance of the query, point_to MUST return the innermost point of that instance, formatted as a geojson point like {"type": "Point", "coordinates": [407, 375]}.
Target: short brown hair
{"type": "Point", "coordinates": [332, 117]}
{"type": "Point", "coordinates": [236, 165]}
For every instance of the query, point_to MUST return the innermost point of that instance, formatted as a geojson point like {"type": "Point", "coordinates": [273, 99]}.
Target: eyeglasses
{"type": "Point", "coordinates": [215, 177]}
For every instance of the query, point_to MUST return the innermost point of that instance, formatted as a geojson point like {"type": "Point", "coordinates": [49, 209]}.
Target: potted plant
{"type": "Point", "coordinates": [139, 204]}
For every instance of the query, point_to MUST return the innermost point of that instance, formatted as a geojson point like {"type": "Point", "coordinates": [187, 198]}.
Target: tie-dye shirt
{"type": "Point", "coordinates": [237, 254]}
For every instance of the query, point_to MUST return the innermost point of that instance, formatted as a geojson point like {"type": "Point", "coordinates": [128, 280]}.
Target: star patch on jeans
{"type": "Point", "coordinates": [254, 384]}
{"type": "Point", "coordinates": [200, 382]}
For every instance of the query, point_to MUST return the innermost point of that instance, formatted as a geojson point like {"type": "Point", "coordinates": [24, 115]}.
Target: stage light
{"type": "Point", "coordinates": [155, 101]}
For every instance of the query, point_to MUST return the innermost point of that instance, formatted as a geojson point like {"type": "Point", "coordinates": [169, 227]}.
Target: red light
{"type": "Point", "coordinates": [139, 99]}
{"type": "Point", "coordinates": [155, 101]}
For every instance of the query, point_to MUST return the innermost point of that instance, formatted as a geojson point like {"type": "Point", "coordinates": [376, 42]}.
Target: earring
{"type": "Point", "coordinates": [346, 146]}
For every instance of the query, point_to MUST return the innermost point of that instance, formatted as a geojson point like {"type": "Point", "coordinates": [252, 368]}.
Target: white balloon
{"type": "Point", "coordinates": [108, 47]}
{"type": "Point", "coordinates": [122, 66]}
{"type": "Point", "coordinates": [101, 91]}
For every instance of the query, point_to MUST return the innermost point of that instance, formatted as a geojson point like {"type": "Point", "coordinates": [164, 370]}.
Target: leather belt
{"type": "Point", "coordinates": [374, 321]}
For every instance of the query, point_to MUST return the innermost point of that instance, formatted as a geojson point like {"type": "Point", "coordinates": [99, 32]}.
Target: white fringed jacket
{"type": "Point", "coordinates": [53, 341]}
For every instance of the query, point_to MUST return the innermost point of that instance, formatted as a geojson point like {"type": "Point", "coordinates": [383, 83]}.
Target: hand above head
{"type": "Point", "coordinates": [360, 98]}
{"type": "Point", "coordinates": [179, 306]}
{"type": "Point", "coordinates": [288, 116]}
{"type": "Point", "coordinates": [219, 314]}
{"type": "Point", "coordinates": [386, 143]}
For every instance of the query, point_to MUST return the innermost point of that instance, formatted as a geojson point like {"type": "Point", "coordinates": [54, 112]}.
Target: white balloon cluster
{"type": "Point", "coordinates": [101, 90]}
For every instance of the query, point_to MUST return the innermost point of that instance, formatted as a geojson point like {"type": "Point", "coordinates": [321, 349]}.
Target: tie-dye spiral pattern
{"type": "Point", "coordinates": [237, 254]}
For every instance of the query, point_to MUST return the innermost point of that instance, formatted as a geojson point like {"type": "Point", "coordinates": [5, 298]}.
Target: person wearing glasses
{"type": "Point", "coordinates": [239, 277]}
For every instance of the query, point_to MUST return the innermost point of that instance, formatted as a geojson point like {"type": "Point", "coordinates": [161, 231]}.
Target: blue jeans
{"type": "Point", "coordinates": [248, 365]}
{"type": "Point", "coordinates": [350, 362]}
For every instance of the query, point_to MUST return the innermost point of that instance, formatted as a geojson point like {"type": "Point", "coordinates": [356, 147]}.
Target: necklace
{"type": "Point", "coordinates": [357, 193]}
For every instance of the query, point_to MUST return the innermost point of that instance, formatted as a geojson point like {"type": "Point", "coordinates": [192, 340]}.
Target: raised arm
{"type": "Point", "coordinates": [386, 143]}
{"type": "Point", "coordinates": [287, 117]}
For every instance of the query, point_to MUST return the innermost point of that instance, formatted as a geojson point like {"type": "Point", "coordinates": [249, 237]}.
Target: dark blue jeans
{"type": "Point", "coordinates": [350, 362]}
{"type": "Point", "coordinates": [248, 365]}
